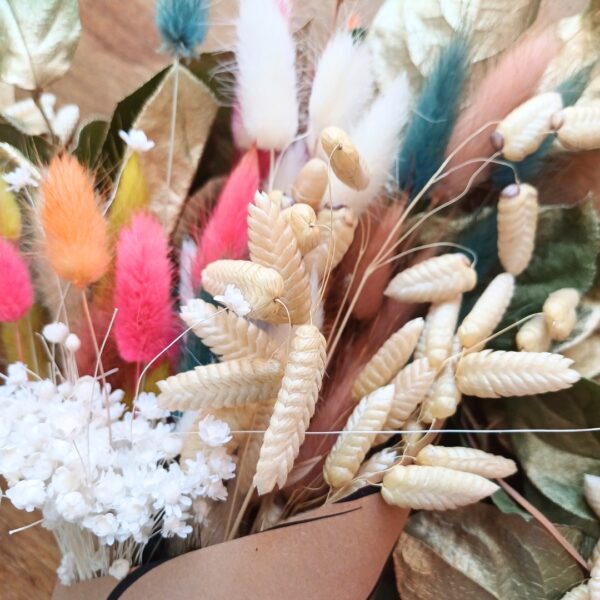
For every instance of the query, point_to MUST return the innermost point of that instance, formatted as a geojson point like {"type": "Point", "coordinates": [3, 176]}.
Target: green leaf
{"type": "Point", "coordinates": [37, 40]}
{"type": "Point", "coordinates": [89, 142]}
{"type": "Point", "coordinates": [508, 506]}
{"type": "Point", "coordinates": [479, 553]}
{"type": "Point", "coordinates": [34, 148]}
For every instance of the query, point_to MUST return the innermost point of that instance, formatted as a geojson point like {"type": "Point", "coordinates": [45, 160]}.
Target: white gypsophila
{"type": "Point", "coordinates": [76, 452]}
{"type": "Point", "coordinates": [234, 300]}
{"type": "Point", "coordinates": [119, 568]}
{"type": "Point", "coordinates": [137, 140]}
{"type": "Point", "coordinates": [19, 178]}
{"type": "Point", "coordinates": [66, 569]}
{"type": "Point", "coordinates": [72, 343]}
{"type": "Point", "coordinates": [56, 333]}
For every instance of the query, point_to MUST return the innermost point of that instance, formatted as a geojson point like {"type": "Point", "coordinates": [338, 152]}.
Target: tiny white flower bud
{"type": "Point", "coordinates": [72, 343]}
{"type": "Point", "coordinates": [55, 333]}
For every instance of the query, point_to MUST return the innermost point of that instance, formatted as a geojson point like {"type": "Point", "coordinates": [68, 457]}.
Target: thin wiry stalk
{"type": "Point", "coordinates": [173, 122]}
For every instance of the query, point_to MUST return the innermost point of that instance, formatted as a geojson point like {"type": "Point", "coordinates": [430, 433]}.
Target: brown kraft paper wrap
{"type": "Point", "coordinates": [336, 552]}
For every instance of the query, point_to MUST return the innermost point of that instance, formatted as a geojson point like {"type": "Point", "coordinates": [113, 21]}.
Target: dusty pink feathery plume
{"type": "Point", "coordinates": [16, 291]}
{"type": "Point", "coordinates": [226, 233]}
{"type": "Point", "coordinates": [145, 322]}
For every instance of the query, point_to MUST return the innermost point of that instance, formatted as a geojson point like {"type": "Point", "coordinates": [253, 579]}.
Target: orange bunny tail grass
{"type": "Point", "coordinates": [76, 241]}
{"type": "Point", "coordinates": [512, 81]}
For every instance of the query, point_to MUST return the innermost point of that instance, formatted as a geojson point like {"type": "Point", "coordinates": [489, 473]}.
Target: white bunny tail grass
{"type": "Point", "coordinates": [266, 81]}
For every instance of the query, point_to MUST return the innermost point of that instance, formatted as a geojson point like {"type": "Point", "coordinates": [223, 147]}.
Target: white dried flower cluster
{"type": "Point", "coordinates": [73, 451]}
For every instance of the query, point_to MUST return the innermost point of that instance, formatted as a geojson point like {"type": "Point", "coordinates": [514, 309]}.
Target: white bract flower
{"type": "Point", "coordinates": [147, 405]}
{"type": "Point", "coordinates": [19, 178]}
{"type": "Point", "coordinates": [136, 140]}
{"type": "Point", "coordinates": [56, 333]}
{"type": "Point", "coordinates": [66, 569]}
{"type": "Point", "coordinates": [234, 300]}
{"type": "Point", "coordinates": [16, 374]}
{"type": "Point", "coordinates": [28, 494]}
{"type": "Point", "coordinates": [119, 568]}
{"type": "Point", "coordinates": [72, 343]}
{"type": "Point", "coordinates": [213, 432]}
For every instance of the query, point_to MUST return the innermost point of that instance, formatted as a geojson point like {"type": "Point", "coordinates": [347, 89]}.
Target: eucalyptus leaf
{"type": "Point", "coordinates": [479, 553]}
{"type": "Point", "coordinates": [37, 40]}
{"type": "Point", "coordinates": [89, 142]}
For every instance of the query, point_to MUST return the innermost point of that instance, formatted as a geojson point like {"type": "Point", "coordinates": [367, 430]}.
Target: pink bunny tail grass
{"type": "Point", "coordinates": [512, 81]}
{"type": "Point", "coordinates": [16, 291]}
{"type": "Point", "coordinates": [145, 323]}
{"type": "Point", "coordinates": [226, 233]}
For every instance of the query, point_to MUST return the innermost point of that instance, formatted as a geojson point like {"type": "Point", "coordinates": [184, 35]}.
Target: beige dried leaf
{"type": "Point", "coordinates": [522, 131]}
{"type": "Point", "coordinates": [310, 183]}
{"type": "Point", "coordinates": [351, 447]}
{"type": "Point", "coordinates": [578, 127]}
{"type": "Point", "coordinates": [388, 360]}
{"type": "Point", "coordinates": [470, 460]}
{"type": "Point", "coordinates": [260, 286]}
{"type": "Point", "coordinates": [221, 385]}
{"type": "Point", "coordinates": [560, 314]}
{"type": "Point", "coordinates": [346, 162]}
{"type": "Point", "coordinates": [196, 111]}
{"type": "Point", "coordinates": [303, 221]}
{"type": "Point", "coordinates": [225, 333]}
{"type": "Point", "coordinates": [441, 325]}
{"type": "Point", "coordinates": [533, 336]}
{"type": "Point", "coordinates": [433, 488]}
{"type": "Point", "coordinates": [488, 374]}
{"type": "Point", "coordinates": [293, 409]}
{"type": "Point", "coordinates": [517, 224]}
{"type": "Point", "coordinates": [487, 312]}
{"type": "Point", "coordinates": [436, 279]}
{"type": "Point", "coordinates": [272, 244]}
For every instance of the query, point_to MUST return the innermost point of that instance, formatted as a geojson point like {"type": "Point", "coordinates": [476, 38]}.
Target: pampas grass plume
{"type": "Point", "coordinates": [145, 323]}
{"type": "Point", "coordinates": [16, 291]}
{"type": "Point", "coordinates": [266, 81]}
{"type": "Point", "coordinates": [226, 233]}
{"type": "Point", "coordinates": [182, 25]}
{"type": "Point", "coordinates": [76, 240]}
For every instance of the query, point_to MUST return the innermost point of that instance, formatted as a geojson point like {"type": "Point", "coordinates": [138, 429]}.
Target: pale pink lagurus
{"type": "Point", "coordinates": [16, 291]}
{"type": "Point", "coordinates": [145, 323]}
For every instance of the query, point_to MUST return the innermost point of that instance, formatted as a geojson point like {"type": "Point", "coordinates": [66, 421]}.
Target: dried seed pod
{"type": "Point", "coordinates": [533, 336]}
{"type": "Point", "coordinates": [517, 224]}
{"type": "Point", "coordinates": [388, 360]}
{"type": "Point", "coordinates": [560, 314]}
{"type": "Point", "coordinates": [421, 344]}
{"type": "Point", "coordinates": [293, 409]}
{"type": "Point", "coordinates": [433, 488]}
{"type": "Point", "coordinates": [580, 592]}
{"type": "Point", "coordinates": [347, 164]}
{"type": "Point", "coordinates": [260, 286]}
{"type": "Point", "coordinates": [310, 183]}
{"type": "Point", "coordinates": [337, 227]}
{"type": "Point", "coordinates": [351, 447]}
{"type": "Point", "coordinates": [412, 433]}
{"type": "Point", "coordinates": [272, 244]}
{"type": "Point", "coordinates": [469, 460]}
{"type": "Point", "coordinates": [441, 324]}
{"type": "Point", "coordinates": [591, 491]}
{"type": "Point", "coordinates": [578, 127]}
{"type": "Point", "coordinates": [219, 385]}
{"type": "Point", "coordinates": [225, 333]}
{"type": "Point", "coordinates": [436, 279]}
{"type": "Point", "coordinates": [410, 388]}
{"type": "Point", "coordinates": [303, 220]}
{"type": "Point", "coordinates": [487, 312]}
{"type": "Point", "coordinates": [488, 374]}
{"type": "Point", "coordinates": [522, 131]}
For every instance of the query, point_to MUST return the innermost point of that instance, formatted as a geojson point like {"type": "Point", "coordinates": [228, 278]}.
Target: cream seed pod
{"type": "Point", "coordinates": [578, 127]}
{"type": "Point", "coordinates": [225, 333]}
{"type": "Point", "coordinates": [310, 183]}
{"type": "Point", "coordinates": [337, 227]}
{"type": "Point", "coordinates": [594, 583]}
{"type": "Point", "coordinates": [560, 313]}
{"type": "Point", "coordinates": [488, 374]}
{"type": "Point", "coordinates": [303, 221]}
{"type": "Point", "coordinates": [388, 360]}
{"type": "Point", "coordinates": [580, 592]}
{"type": "Point", "coordinates": [533, 336]}
{"type": "Point", "coordinates": [346, 162]}
{"type": "Point", "coordinates": [219, 385]}
{"type": "Point", "coordinates": [469, 460]}
{"type": "Point", "coordinates": [517, 224]}
{"type": "Point", "coordinates": [591, 491]}
{"type": "Point", "coordinates": [487, 312]}
{"type": "Point", "coordinates": [272, 244]}
{"type": "Point", "coordinates": [433, 488]}
{"type": "Point", "coordinates": [441, 324]}
{"type": "Point", "coordinates": [410, 388]}
{"type": "Point", "coordinates": [260, 286]}
{"type": "Point", "coordinates": [522, 131]}
{"type": "Point", "coordinates": [436, 279]}
{"type": "Point", "coordinates": [293, 409]}
{"type": "Point", "coordinates": [412, 433]}
{"type": "Point", "coordinates": [351, 446]}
